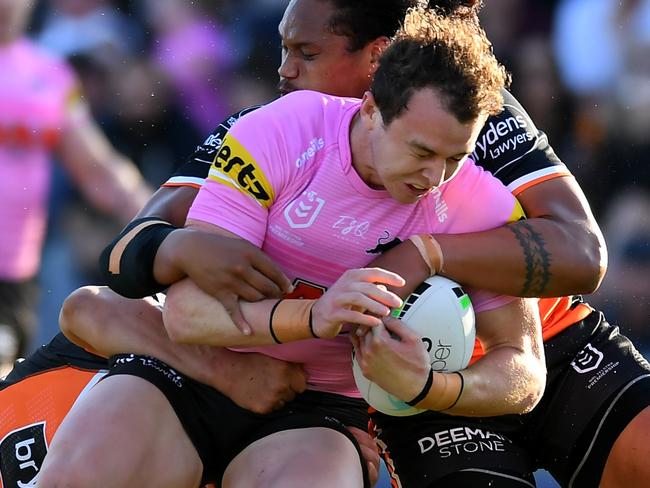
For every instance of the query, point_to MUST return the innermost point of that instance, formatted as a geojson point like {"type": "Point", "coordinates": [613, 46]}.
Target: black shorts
{"type": "Point", "coordinates": [597, 382]}
{"type": "Point", "coordinates": [220, 429]}
{"type": "Point", "coordinates": [18, 301]}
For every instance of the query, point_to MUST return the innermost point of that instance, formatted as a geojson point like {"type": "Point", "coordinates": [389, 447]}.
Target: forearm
{"type": "Point", "coordinates": [192, 316]}
{"type": "Point", "coordinates": [500, 383]}
{"type": "Point", "coordinates": [530, 258]}
{"type": "Point", "coordinates": [93, 318]}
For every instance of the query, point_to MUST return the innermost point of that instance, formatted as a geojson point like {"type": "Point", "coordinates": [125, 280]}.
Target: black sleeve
{"type": "Point", "coordinates": [514, 150]}
{"type": "Point", "coordinates": [196, 168]}
{"type": "Point", "coordinates": [126, 264]}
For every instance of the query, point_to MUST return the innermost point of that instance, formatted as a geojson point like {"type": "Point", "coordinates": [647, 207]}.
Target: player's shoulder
{"type": "Point", "coordinates": [511, 147]}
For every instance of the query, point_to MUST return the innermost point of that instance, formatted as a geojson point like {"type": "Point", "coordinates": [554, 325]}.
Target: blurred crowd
{"type": "Point", "coordinates": [159, 75]}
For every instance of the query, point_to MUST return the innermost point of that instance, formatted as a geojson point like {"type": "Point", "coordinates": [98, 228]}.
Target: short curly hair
{"type": "Point", "coordinates": [363, 21]}
{"type": "Point", "coordinates": [450, 54]}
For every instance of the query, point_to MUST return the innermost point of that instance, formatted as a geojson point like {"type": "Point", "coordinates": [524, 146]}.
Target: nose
{"type": "Point", "coordinates": [434, 172]}
{"type": "Point", "coordinates": [288, 67]}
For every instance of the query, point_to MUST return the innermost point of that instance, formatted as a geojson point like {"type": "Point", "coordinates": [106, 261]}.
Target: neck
{"type": "Point", "coordinates": [360, 152]}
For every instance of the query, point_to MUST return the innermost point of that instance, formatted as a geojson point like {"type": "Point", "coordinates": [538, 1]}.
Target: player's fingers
{"type": "Point", "coordinates": [272, 272]}
{"type": "Point", "coordinates": [298, 381]}
{"type": "Point", "coordinates": [242, 290]}
{"type": "Point", "coordinates": [232, 307]}
{"type": "Point", "coordinates": [380, 294]}
{"type": "Point", "coordinates": [399, 329]}
{"type": "Point", "coordinates": [262, 284]}
{"type": "Point", "coordinates": [379, 275]}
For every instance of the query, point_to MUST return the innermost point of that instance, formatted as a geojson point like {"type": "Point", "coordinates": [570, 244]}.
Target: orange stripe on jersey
{"type": "Point", "coordinates": [556, 314]}
{"type": "Point", "coordinates": [539, 180]}
{"type": "Point", "coordinates": [176, 185]}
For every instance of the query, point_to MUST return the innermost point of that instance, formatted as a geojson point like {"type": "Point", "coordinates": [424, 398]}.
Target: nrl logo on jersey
{"type": "Point", "coordinates": [302, 212]}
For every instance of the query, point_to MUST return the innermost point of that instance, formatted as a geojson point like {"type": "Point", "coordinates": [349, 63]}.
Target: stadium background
{"type": "Point", "coordinates": [160, 74]}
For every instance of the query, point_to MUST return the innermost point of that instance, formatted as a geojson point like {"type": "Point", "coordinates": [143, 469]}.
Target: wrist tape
{"type": "Point", "coordinates": [291, 320]}
{"type": "Point", "coordinates": [126, 264]}
{"type": "Point", "coordinates": [446, 394]}
{"type": "Point", "coordinates": [430, 251]}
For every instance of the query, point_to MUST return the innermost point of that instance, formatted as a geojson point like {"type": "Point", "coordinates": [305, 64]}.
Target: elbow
{"type": "Point", "coordinates": [175, 319]}
{"type": "Point", "coordinates": [533, 386]}
{"type": "Point", "coordinates": [585, 267]}
{"type": "Point", "coordinates": [535, 393]}
{"type": "Point", "coordinates": [77, 308]}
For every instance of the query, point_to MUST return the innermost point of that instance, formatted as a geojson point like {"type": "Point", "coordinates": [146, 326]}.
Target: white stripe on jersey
{"type": "Point", "coordinates": [535, 175]}
{"type": "Point", "coordinates": [184, 180]}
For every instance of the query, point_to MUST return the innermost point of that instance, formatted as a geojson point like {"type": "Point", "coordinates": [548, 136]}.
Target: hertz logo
{"type": "Point", "coordinates": [235, 167]}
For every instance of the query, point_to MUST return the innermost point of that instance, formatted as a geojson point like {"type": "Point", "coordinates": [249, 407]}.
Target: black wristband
{"type": "Point", "coordinates": [424, 392]}
{"type": "Point", "coordinates": [462, 386]}
{"type": "Point", "coordinates": [275, 338]}
{"type": "Point", "coordinates": [311, 324]}
{"type": "Point", "coordinates": [126, 264]}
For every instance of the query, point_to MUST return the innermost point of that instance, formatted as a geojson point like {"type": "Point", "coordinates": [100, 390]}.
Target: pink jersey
{"type": "Point", "coordinates": [35, 91]}
{"type": "Point", "coordinates": [283, 179]}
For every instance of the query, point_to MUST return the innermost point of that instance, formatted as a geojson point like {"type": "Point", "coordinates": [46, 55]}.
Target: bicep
{"type": "Point", "coordinates": [211, 228]}
{"type": "Point", "coordinates": [171, 204]}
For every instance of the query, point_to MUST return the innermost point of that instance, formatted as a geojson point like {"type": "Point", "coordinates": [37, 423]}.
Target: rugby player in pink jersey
{"type": "Point", "coordinates": [391, 157]}
{"type": "Point", "coordinates": [560, 251]}
{"type": "Point", "coordinates": [43, 116]}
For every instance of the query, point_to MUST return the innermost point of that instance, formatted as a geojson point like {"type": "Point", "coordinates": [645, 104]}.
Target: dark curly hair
{"type": "Point", "coordinates": [363, 21]}
{"type": "Point", "coordinates": [450, 54]}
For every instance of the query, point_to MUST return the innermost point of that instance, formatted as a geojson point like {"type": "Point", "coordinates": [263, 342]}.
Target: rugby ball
{"type": "Point", "coordinates": [442, 313]}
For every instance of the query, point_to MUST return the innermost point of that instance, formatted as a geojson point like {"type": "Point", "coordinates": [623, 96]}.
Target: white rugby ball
{"type": "Point", "coordinates": [442, 313]}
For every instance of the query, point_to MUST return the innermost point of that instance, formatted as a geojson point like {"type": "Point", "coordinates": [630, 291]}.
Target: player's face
{"type": "Point", "coordinates": [313, 58]}
{"type": "Point", "coordinates": [14, 15]}
{"type": "Point", "coordinates": [420, 149]}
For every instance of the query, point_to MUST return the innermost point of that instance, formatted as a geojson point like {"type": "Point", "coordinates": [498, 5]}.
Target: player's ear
{"type": "Point", "coordinates": [377, 47]}
{"type": "Point", "coordinates": [370, 114]}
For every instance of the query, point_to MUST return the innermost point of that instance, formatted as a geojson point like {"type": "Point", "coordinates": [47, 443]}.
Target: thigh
{"type": "Point", "coordinates": [315, 457]}
{"type": "Point", "coordinates": [627, 463]}
{"type": "Point", "coordinates": [425, 449]}
{"type": "Point", "coordinates": [129, 425]}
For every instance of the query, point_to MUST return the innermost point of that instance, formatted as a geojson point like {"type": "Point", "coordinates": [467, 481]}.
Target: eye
{"type": "Point", "coordinates": [307, 56]}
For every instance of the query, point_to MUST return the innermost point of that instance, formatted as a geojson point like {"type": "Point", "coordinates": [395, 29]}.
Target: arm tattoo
{"type": "Point", "coordinates": [538, 259]}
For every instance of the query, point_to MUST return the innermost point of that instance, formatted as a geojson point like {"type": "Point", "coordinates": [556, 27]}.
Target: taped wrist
{"type": "Point", "coordinates": [126, 264]}
{"type": "Point", "coordinates": [291, 320]}
{"type": "Point", "coordinates": [442, 391]}
{"type": "Point", "coordinates": [430, 251]}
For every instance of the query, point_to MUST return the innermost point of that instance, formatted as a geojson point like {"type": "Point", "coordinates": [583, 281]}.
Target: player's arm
{"type": "Point", "coordinates": [154, 251]}
{"type": "Point", "coordinates": [194, 317]}
{"type": "Point", "coordinates": [509, 379]}
{"type": "Point", "coordinates": [558, 250]}
{"type": "Point", "coordinates": [101, 321]}
{"type": "Point", "coordinates": [106, 178]}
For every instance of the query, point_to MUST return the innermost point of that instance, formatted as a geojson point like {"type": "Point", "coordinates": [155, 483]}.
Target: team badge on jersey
{"type": "Point", "coordinates": [235, 167]}
{"type": "Point", "coordinates": [21, 455]}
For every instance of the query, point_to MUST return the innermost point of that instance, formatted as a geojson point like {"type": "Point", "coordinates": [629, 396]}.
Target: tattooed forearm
{"type": "Point", "coordinates": [538, 259]}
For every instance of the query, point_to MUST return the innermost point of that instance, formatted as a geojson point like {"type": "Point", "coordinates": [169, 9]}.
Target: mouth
{"type": "Point", "coordinates": [418, 189]}
{"type": "Point", "coordinates": [284, 88]}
